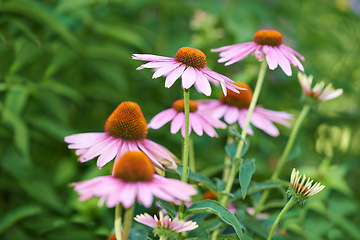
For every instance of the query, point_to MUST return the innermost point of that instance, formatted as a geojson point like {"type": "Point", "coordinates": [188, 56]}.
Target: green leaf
{"type": "Point", "coordinates": [238, 135]}
{"type": "Point", "coordinates": [16, 99]}
{"type": "Point", "coordinates": [169, 207]}
{"type": "Point", "coordinates": [202, 232]}
{"type": "Point", "coordinates": [213, 207]}
{"type": "Point", "coordinates": [230, 149]}
{"type": "Point", "coordinates": [26, 31]}
{"type": "Point", "coordinates": [18, 214]}
{"type": "Point", "coordinates": [246, 171]}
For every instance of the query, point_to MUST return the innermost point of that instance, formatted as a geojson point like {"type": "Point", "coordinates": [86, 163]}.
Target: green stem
{"type": "Point", "coordinates": [128, 218]}
{"type": "Point", "coordinates": [281, 214]}
{"type": "Point", "coordinates": [186, 137]}
{"type": "Point", "coordinates": [227, 159]}
{"type": "Point", "coordinates": [192, 164]}
{"type": "Point", "coordinates": [235, 167]}
{"type": "Point", "coordinates": [118, 210]}
{"type": "Point", "coordinates": [162, 237]}
{"type": "Point", "coordinates": [186, 146]}
{"type": "Point", "coordinates": [285, 154]}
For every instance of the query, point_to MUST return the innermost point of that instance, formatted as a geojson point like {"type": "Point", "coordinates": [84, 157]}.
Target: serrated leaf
{"type": "Point", "coordinates": [213, 207]}
{"type": "Point", "coordinates": [246, 171]}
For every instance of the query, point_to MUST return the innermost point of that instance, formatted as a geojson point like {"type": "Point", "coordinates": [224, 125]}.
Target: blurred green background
{"type": "Point", "coordinates": [65, 65]}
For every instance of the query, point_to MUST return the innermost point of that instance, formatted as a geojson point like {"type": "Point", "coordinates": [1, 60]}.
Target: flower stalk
{"type": "Point", "coordinates": [281, 214]}
{"type": "Point", "coordinates": [118, 220]}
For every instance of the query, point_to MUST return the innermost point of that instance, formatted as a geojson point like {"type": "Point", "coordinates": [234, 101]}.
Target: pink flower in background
{"type": "Point", "coordinates": [166, 223]}
{"type": "Point", "coordinates": [189, 64]}
{"type": "Point", "coordinates": [198, 121]}
{"type": "Point", "coordinates": [125, 130]}
{"type": "Point", "coordinates": [268, 43]}
{"type": "Point", "coordinates": [133, 178]}
{"type": "Point", "coordinates": [234, 108]}
{"type": "Point", "coordinates": [319, 91]}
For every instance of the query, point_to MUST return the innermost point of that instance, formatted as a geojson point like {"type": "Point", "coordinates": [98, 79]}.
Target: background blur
{"type": "Point", "coordinates": [65, 65]}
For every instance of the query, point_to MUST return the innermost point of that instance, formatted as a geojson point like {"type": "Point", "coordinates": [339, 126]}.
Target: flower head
{"type": "Point", "coordinates": [234, 108]}
{"type": "Point", "coordinates": [319, 91]}
{"type": "Point", "coordinates": [133, 178]}
{"type": "Point", "coordinates": [125, 130]}
{"type": "Point", "coordinates": [199, 121]}
{"type": "Point", "coordinates": [189, 64]}
{"type": "Point", "coordinates": [164, 225]}
{"type": "Point", "coordinates": [301, 189]}
{"type": "Point", "coordinates": [266, 42]}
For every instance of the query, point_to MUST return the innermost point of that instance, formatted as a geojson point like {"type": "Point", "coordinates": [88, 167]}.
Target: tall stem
{"type": "Point", "coordinates": [118, 210]}
{"type": "Point", "coordinates": [281, 214]}
{"type": "Point", "coordinates": [285, 154]}
{"type": "Point", "coordinates": [186, 145]}
{"type": "Point", "coordinates": [192, 163]}
{"type": "Point", "coordinates": [234, 169]}
{"type": "Point", "coordinates": [227, 159]}
{"type": "Point", "coordinates": [128, 217]}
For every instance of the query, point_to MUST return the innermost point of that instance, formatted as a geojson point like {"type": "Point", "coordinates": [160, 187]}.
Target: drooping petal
{"type": "Point", "coordinates": [188, 77]}
{"type": "Point", "coordinates": [264, 124]}
{"type": "Point", "coordinates": [174, 75]}
{"type": "Point", "coordinates": [202, 83]}
{"type": "Point", "coordinates": [150, 57]}
{"type": "Point", "coordinates": [165, 69]}
{"type": "Point", "coordinates": [283, 61]}
{"type": "Point", "coordinates": [162, 118]}
{"type": "Point", "coordinates": [85, 140]}
{"type": "Point", "coordinates": [231, 115]}
{"type": "Point", "coordinates": [176, 124]}
{"type": "Point", "coordinates": [271, 57]}
{"type": "Point", "coordinates": [109, 153]}
{"type": "Point", "coordinates": [196, 124]}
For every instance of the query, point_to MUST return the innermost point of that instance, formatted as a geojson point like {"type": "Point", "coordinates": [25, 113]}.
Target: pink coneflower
{"type": "Point", "coordinates": [133, 177]}
{"type": "Point", "coordinates": [319, 91]}
{"type": "Point", "coordinates": [189, 64]}
{"type": "Point", "coordinates": [125, 130]}
{"type": "Point", "coordinates": [164, 225]}
{"type": "Point", "coordinates": [268, 43]}
{"type": "Point", "coordinates": [234, 108]}
{"type": "Point", "coordinates": [198, 121]}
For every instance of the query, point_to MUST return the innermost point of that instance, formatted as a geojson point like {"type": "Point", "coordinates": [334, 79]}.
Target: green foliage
{"type": "Point", "coordinates": [65, 65]}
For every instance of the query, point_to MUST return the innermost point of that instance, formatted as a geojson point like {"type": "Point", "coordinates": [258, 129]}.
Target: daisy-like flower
{"type": "Point", "coordinates": [234, 108]}
{"type": "Point", "coordinates": [319, 91]}
{"type": "Point", "coordinates": [301, 189]}
{"type": "Point", "coordinates": [198, 121]}
{"type": "Point", "coordinates": [189, 64]}
{"type": "Point", "coordinates": [133, 177]}
{"type": "Point", "coordinates": [265, 42]}
{"type": "Point", "coordinates": [164, 225]}
{"type": "Point", "coordinates": [125, 130]}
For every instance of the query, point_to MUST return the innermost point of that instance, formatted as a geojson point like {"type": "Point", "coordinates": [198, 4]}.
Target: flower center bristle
{"type": "Point", "coordinates": [134, 167]}
{"type": "Point", "coordinates": [191, 57]}
{"type": "Point", "coordinates": [178, 105]}
{"type": "Point", "coordinates": [241, 99]}
{"type": "Point", "coordinates": [209, 195]}
{"type": "Point", "coordinates": [127, 122]}
{"type": "Point", "coordinates": [268, 37]}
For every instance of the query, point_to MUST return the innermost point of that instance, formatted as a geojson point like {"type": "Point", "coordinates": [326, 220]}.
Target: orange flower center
{"type": "Point", "coordinates": [134, 167]}
{"type": "Point", "coordinates": [268, 37]}
{"type": "Point", "coordinates": [209, 195]}
{"type": "Point", "coordinates": [127, 122]}
{"type": "Point", "coordinates": [191, 57]}
{"type": "Point", "coordinates": [241, 99]}
{"type": "Point", "coordinates": [178, 105]}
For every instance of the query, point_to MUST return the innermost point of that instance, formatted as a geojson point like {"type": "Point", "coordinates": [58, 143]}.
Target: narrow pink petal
{"type": "Point", "coordinates": [331, 95]}
{"type": "Point", "coordinates": [291, 57]}
{"type": "Point", "coordinates": [202, 83]}
{"type": "Point", "coordinates": [165, 69]}
{"type": "Point", "coordinates": [148, 153]}
{"type": "Point", "coordinates": [264, 124]}
{"type": "Point", "coordinates": [144, 195]}
{"type": "Point", "coordinates": [147, 220]}
{"type": "Point", "coordinates": [161, 151]}
{"type": "Point", "coordinates": [128, 200]}
{"type": "Point", "coordinates": [242, 119]}
{"type": "Point", "coordinates": [150, 57]}
{"type": "Point", "coordinates": [195, 123]}
{"type": "Point", "coordinates": [271, 58]}
{"type": "Point", "coordinates": [209, 130]}
{"type": "Point", "coordinates": [243, 54]}
{"type": "Point", "coordinates": [109, 153]}
{"type": "Point", "coordinates": [85, 140]}
{"type": "Point", "coordinates": [229, 47]}
{"type": "Point", "coordinates": [231, 115]}
{"type": "Point", "coordinates": [153, 65]}
{"type": "Point", "coordinates": [234, 52]}
{"type": "Point", "coordinates": [176, 124]}
{"type": "Point", "coordinates": [275, 116]}
{"type": "Point", "coordinates": [189, 77]}
{"type": "Point", "coordinates": [292, 51]}
{"type": "Point", "coordinates": [283, 61]}
{"type": "Point", "coordinates": [174, 75]}
{"type": "Point", "coordinates": [162, 118]}
{"type": "Point", "coordinates": [220, 111]}
{"type": "Point", "coordinates": [177, 188]}
{"type": "Point", "coordinates": [183, 130]}
{"type": "Point", "coordinates": [96, 150]}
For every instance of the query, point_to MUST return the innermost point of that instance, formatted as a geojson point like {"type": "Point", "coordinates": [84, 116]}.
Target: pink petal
{"type": "Point", "coordinates": [85, 140]}
{"type": "Point", "coordinates": [144, 195]}
{"type": "Point", "coordinates": [109, 153]}
{"type": "Point", "coordinates": [128, 198]}
{"type": "Point", "coordinates": [165, 70]}
{"type": "Point", "coordinates": [195, 124]}
{"type": "Point", "coordinates": [283, 62]}
{"type": "Point", "coordinates": [162, 118]}
{"type": "Point", "coordinates": [189, 77]}
{"type": "Point", "coordinates": [150, 57]}
{"type": "Point", "coordinates": [264, 124]}
{"type": "Point", "coordinates": [209, 130]}
{"type": "Point", "coordinates": [202, 83]}
{"type": "Point", "coordinates": [96, 150]}
{"type": "Point", "coordinates": [231, 115]}
{"type": "Point", "coordinates": [242, 119]}
{"type": "Point", "coordinates": [148, 153]}
{"type": "Point", "coordinates": [176, 124]}
{"type": "Point", "coordinates": [271, 57]}
{"type": "Point", "coordinates": [174, 75]}
{"type": "Point", "coordinates": [241, 55]}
